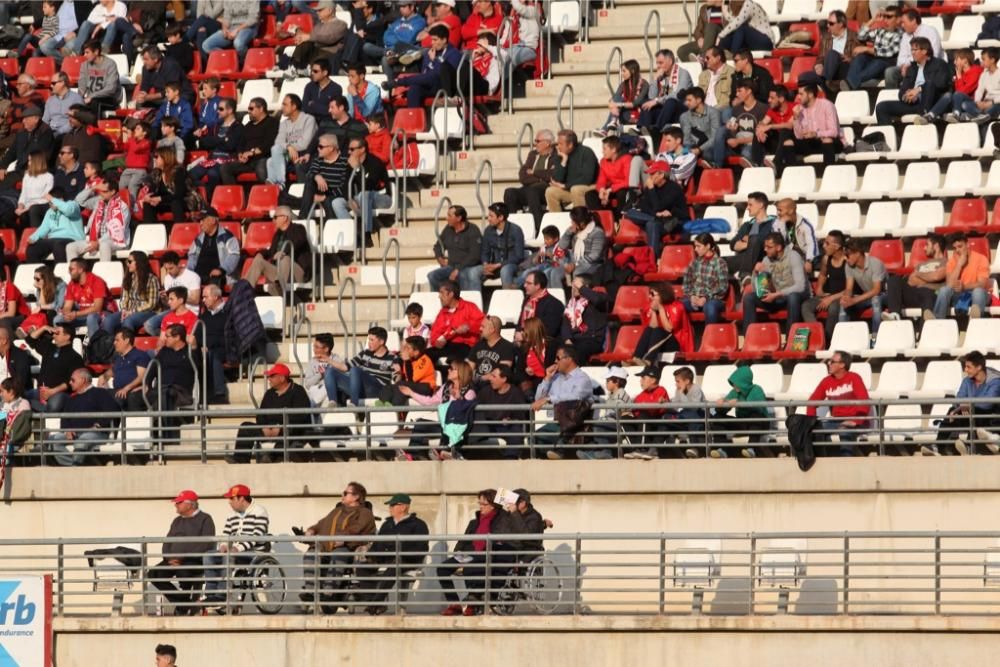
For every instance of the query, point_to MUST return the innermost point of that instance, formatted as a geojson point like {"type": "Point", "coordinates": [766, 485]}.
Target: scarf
{"type": "Point", "coordinates": [580, 242]}
{"type": "Point", "coordinates": [531, 305]}
{"type": "Point", "coordinates": [671, 79]}
{"type": "Point", "coordinates": [574, 313]}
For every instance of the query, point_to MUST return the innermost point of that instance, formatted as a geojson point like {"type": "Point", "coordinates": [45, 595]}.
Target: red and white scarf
{"type": "Point", "coordinates": [528, 311]}
{"type": "Point", "coordinates": [674, 76]}
{"type": "Point", "coordinates": [574, 313]}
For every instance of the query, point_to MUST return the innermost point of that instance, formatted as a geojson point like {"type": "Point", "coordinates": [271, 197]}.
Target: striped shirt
{"type": "Point", "coordinates": [886, 42]}
{"type": "Point", "coordinates": [254, 522]}
{"type": "Point", "coordinates": [334, 173]}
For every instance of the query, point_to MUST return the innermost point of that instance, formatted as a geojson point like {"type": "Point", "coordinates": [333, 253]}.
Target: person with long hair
{"type": "Point", "coordinates": [140, 295]}
{"type": "Point", "coordinates": [746, 26]}
{"type": "Point", "coordinates": [622, 108]}
{"type": "Point", "coordinates": [167, 189]}
{"type": "Point", "coordinates": [457, 386]}
{"type": "Point", "coordinates": [585, 320]}
{"type": "Point", "coordinates": [37, 182]}
{"type": "Point", "coordinates": [537, 353]}
{"type": "Point", "coordinates": [13, 307]}
{"type": "Point", "coordinates": [668, 328]}
{"type": "Point", "coordinates": [50, 292]}
{"type": "Point", "coordinates": [706, 280]}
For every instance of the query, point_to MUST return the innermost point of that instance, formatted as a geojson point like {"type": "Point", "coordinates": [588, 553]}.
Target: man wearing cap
{"type": "Point", "coordinates": [215, 253]}
{"type": "Point", "coordinates": [410, 555]}
{"type": "Point", "coordinates": [662, 207]}
{"type": "Point", "coordinates": [184, 560]}
{"type": "Point", "coordinates": [35, 136]}
{"type": "Point", "coordinates": [248, 521]}
{"type": "Point", "coordinates": [276, 410]}
{"type": "Point", "coordinates": [526, 519]}
{"type": "Point", "coordinates": [275, 263]}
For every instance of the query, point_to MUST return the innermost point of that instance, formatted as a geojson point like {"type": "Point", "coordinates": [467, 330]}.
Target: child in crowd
{"type": "Point", "coordinates": [179, 48]}
{"type": "Point", "coordinates": [379, 139]}
{"type": "Point", "coordinates": [549, 259]}
{"type": "Point", "coordinates": [606, 419]}
{"type": "Point", "coordinates": [89, 196]}
{"type": "Point", "coordinates": [138, 149]}
{"type": "Point", "coordinates": [648, 423]}
{"type": "Point", "coordinates": [315, 371]}
{"type": "Point", "coordinates": [178, 313]}
{"type": "Point", "coordinates": [168, 137]}
{"type": "Point", "coordinates": [751, 418]}
{"type": "Point", "coordinates": [414, 313]}
{"type": "Point", "coordinates": [174, 106]}
{"type": "Point", "coordinates": [415, 370]}
{"type": "Point", "coordinates": [208, 113]}
{"type": "Point", "coordinates": [687, 392]}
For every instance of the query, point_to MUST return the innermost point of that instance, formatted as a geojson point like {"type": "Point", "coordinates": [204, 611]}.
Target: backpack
{"type": "Point", "coordinates": [480, 124]}
{"type": "Point", "coordinates": [101, 348]}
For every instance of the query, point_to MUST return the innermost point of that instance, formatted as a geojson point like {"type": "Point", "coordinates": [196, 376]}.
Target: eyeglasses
{"type": "Point", "coordinates": [354, 148]}
{"type": "Point", "coordinates": [65, 152]}
{"type": "Point", "coordinates": [326, 145]}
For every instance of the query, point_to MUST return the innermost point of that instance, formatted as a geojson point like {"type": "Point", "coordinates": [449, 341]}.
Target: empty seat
{"type": "Point", "coordinates": [962, 178]}
{"type": "Point", "coordinates": [255, 88]}
{"type": "Point", "coordinates": [263, 198]}
{"type": "Point", "coordinates": [258, 239]}
{"type": "Point", "coordinates": [797, 182]}
{"type": "Point", "coordinates": [714, 185]}
{"type": "Point", "coordinates": [843, 216]}
{"type": "Point", "coordinates": [918, 141]}
{"type": "Point", "coordinates": [228, 201]}
{"type": "Point", "coordinates": [992, 185]}
{"type": "Point", "coordinates": [921, 179]}
{"type": "Point", "coordinates": [718, 341]}
{"type": "Point", "coordinates": [182, 235]}
{"type": "Point", "coordinates": [272, 311]}
{"type": "Point", "coordinates": [339, 235]}
{"type": "Point", "coordinates": [761, 340]}
{"type": "Point", "coordinates": [923, 216]}
{"type": "Point", "coordinates": [883, 218]}
{"type": "Point", "coordinates": [754, 179]}
{"type": "Point", "coordinates": [880, 180]}
{"type": "Point", "coordinates": [625, 341]}
{"type": "Point", "coordinates": [941, 378]}
{"type": "Point", "coordinates": [959, 139]}
{"type": "Point", "coordinates": [769, 377]}
{"type": "Point", "coordinates": [674, 260]}
{"type": "Point", "coordinates": [852, 337]}
{"type": "Point", "coordinates": [256, 63]}
{"type": "Point", "coordinates": [937, 337]}
{"type": "Point", "coordinates": [805, 378]}
{"type": "Point", "coordinates": [715, 382]}
{"type": "Point", "coordinates": [24, 278]}
{"type": "Point", "coordinates": [981, 335]}
{"type": "Point", "coordinates": [42, 68]}
{"type": "Point", "coordinates": [896, 379]}
{"type": "Point", "coordinates": [899, 423]}
{"type": "Point", "coordinates": [852, 107]}
{"type": "Point", "coordinates": [967, 215]}
{"type": "Point", "coordinates": [888, 131]}
{"type": "Point", "coordinates": [630, 303]}
{"type": "Point", "coordinates": [963, 33]}
{"type": "Point", "coordinates": [149, 239]}
{"type": "Point", "coordinates": [446, 123]}
{"type": "Point", "coordinates": [890, 252]}
{"type": "Point", "coordinates": [839, 181]}
{"type": "Point", "coordinates": [893, 338]}
{"type": "Point", "coordinates": [506, 304]}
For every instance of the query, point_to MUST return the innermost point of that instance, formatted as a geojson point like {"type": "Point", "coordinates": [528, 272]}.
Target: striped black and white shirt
{"type": "Point", "coordinates": [254, 522]}
{"type": "Point", "coordinates": [334, 173]}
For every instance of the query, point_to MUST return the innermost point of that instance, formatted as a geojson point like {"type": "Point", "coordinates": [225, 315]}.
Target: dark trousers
{"type": "Point", "coordinates": [886, 112]}
{"type": "Point", "coordinates": [588, 346]}
{"type": "Point", "coordinates": [474, 573]}
{"type": "Point", "coordinates": [231, 170]}
{"type": "Point", "coordinates": [772, 142]}
{"type": "Point", "coordinates": [899, 295]}
{"type": "Point", "coordinates": [173, 205]}
{"type": "Point", "coordinates": [790, 302]}
{"type": "Point", "coordinates": [390, 393]}
{"type": "Point", "coordinates": [657, 118]}
{"type": "Point", "coordinates": [614, 204]}
{"type": "Point", "coordinates": [746, 37]}
{"type": "Point", "coordinates": [955, 425]}
{"type": "Point", "coordinates": [40, 250]}
{"type": "Point", "coordinates": [531, 197]}
{"type": "Point", "coordinates": [449, 351]}
{"type": "Point", "coordinates": [309, 192]}
{"type": "Point", "coordinates": [650, 337]}
{"type": "Point", "coordinates": [190, 577]}
{"type": "Point", "coordinates": [792, 154]}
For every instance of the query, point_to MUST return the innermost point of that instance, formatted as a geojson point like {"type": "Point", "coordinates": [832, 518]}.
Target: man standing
{"type": "Point", "coordinates": [458, 251]}
{"type": "Point", "coordinates": [215, 253]}
{"type": "Point", "coordinates": [927, 79]}
{"type": "Point", "coordinates": [788, 284]}
{"type": "Point", "coordinates": [184, 560]}
{"type": "Point", "coordinates": [574, 174]}
{"type": "Point", "coordinates": [276, 422]}
{"type": "Point", "coordinates": [865, 280]}
{"type": "Point", "coordinates": [59, 360]}
{"type": "Point", "coordinates": [841, 384]}
{"type": "Point", "coordinates": [172, 381]}
{"type": "Point", "coordinates": [56, 114]}
{"type": "Point", "coordinates": [502, 247]}
{"type": "Point", "coordinates": [815, 129]}
{"type": "Point", "coordinates": [457, 326]}
{"type": "Point", "coordinates": [534, 176]}
{"type": "Point", "coordinates": [248, 521]}
{"type": "Point", "coordinates": [967, 273]}
{"type": "Point", "coordinates": [365, 374]}
{"type": "Point", "coordinates": [395, 557]}
{"type": "Point", "coordinates": [214, 316]}
{"type": "Point", "coordinates": [699, 124]}
{"type": "Point", "coordinates": [84, 433]}
{"type": "Point", "coordinates": [919, 289]}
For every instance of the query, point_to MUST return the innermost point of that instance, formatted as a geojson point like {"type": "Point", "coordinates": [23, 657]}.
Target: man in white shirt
{"type": "Point", "coordinates": [174, 275]}
{"type": "Point", "coordinates": [102, 17]}
{"type": "Point", "coordinates": [912, 27]}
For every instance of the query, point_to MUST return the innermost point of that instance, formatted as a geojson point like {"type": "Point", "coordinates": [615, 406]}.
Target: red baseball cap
{"type": "Point", "coordinates": [237, 490]}
{"type": "Point", "coordinates": [186, 495]}
{"type": "Point", "coordinates": [658, 166]}
{"type": "Point", "coordinates": [278, 369]}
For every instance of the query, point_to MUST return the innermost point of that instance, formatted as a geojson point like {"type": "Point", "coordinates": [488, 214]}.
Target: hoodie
{"type": "Point", "coordinates": [990, 388]}
{"type": "Point", "coordinates": [744, 390]}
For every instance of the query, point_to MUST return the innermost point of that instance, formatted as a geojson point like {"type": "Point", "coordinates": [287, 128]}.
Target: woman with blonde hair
{"type": "Point", "coordinates": [456, 387]}
{"type": "Point", "coordinates": [37, 183]}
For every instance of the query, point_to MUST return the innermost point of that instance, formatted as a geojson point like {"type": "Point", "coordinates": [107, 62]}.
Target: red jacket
{"type": "Point", "coordinates": [379, 144]}
{"type": "Point", "coordinates": [848, 388]}
{"type": "Point", "coordinates": [655, 395]}
{"type": "Point", "coordinates": [464, 312]}
{"type": "Point", "coordinates": [454, 31]}
{"type": "Point", "coordinates": [477, 23]}
{"type": "Point", "coordinates": [614, 175]}
{"type": "Point", "coordinates": [137, 153]}
{"type": "Point", "coordinates": [969, 81]}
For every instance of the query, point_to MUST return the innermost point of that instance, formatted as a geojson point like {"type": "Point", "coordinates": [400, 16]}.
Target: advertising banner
{"type": "Point", "coordinates": [26, 621]}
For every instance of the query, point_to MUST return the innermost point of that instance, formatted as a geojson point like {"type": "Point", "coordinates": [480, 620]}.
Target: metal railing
{"type": "Point", "coordinates": [444, 158]}
{"type": "Point", "coordinates": [615, 51]}
{"type": "Point", "coordinates": [393, 291]}
{"type": "Point", "coordinates": [479, 186]}
{"type": "Point", "coordinates": [520, 141]}
{"type": "Point", "coordinates": [349, 333]}
{"type": "Point", "coordinates": [687, 16]}
{"type": "Point", "coordinates": [437, 215]}
{"type": "Point", "coordinates": [671, 430]}
{"type": "Point", "coordinates": [567, 87]}
{"type": "Point", "coordinates": [651, 53]}
{"type": "Point", "coordinates": [614, 574]}
{"type": "Point", "coordinates": [401, 192]}
{"type": "Point", "coordinates": [359, 229]}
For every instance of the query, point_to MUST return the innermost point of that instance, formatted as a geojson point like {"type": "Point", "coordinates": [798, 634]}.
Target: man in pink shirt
{"type": "Point", "coordinates": [815, 128]}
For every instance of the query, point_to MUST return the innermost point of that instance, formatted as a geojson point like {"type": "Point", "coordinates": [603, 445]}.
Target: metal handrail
{"type": "Point", "coordinates": [444, 159]}
{"type": "Point", "coordinates": [297, 323]}
{"type": "Point", "coordinates": [559, 106]}
{"type": "Point", "coordinates": [585, 20]}
{"type": "Point", "coordinates": [252, 373]}
{"type": "Point", "coordinates": [520, 141]}
{"type": "Point", "coordinates": [506, 66]}
{"type": "Point", "coordinates": [465, 103]}
{"type": "Point", "coordinates": [645, 37]}
{"type": "Point", "coordinates": [359, 235]}
{"type": "Point", "coordinates": [392, 296]}
{"type": "Point", "coordinates": [616, 50]}
{"type": "Point", "coordinates": [545, 33]}
{"type": "Point", "coordinates": [687, 16]}
{"type": "Point", "coordinates": [437, 215]}
{"type": "Point", "coordinates": [400, 193]}
{"type": "Point", "coordinates": [350, 334]}
{"type": "Point", "coordinates": [199, 325]}
{"type": "Point", "coordinates": [479, 183]}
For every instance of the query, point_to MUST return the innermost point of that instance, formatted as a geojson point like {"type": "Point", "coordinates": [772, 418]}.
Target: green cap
{"type": "Point", "coordinates": [398, 499]}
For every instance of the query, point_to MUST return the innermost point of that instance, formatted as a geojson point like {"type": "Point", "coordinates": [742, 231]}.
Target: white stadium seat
{"type": "Point", "coordinates": [981, 335]}
{"type": "Point", "coordinates": [850, 337]}
{"type": "Point", "coordinates": [880, 180]}
{"type": "Point", "coordinates": [797, 182]}
{"type": "Point", "coordinates": [559, 220]}
{"type": "Point", "coordinates": [937, 338]}
{"type": "Point", "coordinates": [896, 379]}
{"type": "Point", "coordinates": [715, 382]}
{"type": "Point", "coordinates": [959, 139]}
{"type": "Point", "coordinates": [918, 141]}
{"type": "Point", "coordinates": [962, 178]}
{"type": "Point", "coordinates": [921, 179]}
{"type": "Point", "coordinates": [842, 216]}
{"type": "Point", "coordinates": [24, 278]}
{"type": "Point", "coordinates": [963, 33]}
{"type": "Point", "coordinates": [147, 238]}
{"type": "Point", "coordinates": [852, 107]}
{"type": "Point", "coordinates": [805, 377]}
{"type": "Point", "coordinates": [893, 338]}
{"type": "Point", "coordinates": [839, 181]}
{"type": "Point", "coordinates": [882, 217]}
{"type": "Point", "coordinates": [754, 179]}
{"type": "Point", "coordinates": [923, 216]}
{"type": "Point", "coordinates": [506, 304]}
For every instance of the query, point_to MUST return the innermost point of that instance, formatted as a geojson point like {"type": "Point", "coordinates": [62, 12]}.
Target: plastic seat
{"type": "Point", "coordinates": [506, 304]}
{"type": "Point", "coordinates": [772, 65]}
{"type": "Point", "coordinates": [770, 378]}
{"type": "Point", "coordinates": [228, 201]}
{"type": "Point", "coordinates": [963, 33]}
{"type": "Point", "coordinates": [879, 181]}
{"type": "Point", "coordinates": [630, 303]}
{"type": "Point", "coordinates": [893, 339]}
{"type": "Point", "coordinates": [797, 182]}
{"type": "Point", "coordinates": [853, 337]}
{"type": "Point", "coordinates": [446, 123]}
{"type": "Point", "coordinates": [891, 252]}
{"type": "Point", "coordinates": [9, 67]}
{"type": "Point", "coordinates": [182, 235]}
{"type": "Point", "coordinates": [295, 86]}
{"type": "Point", "coordinates": [992, 185]}
{"type": "Point", "coordinates": [843, 216]}
{"type": "Point", "coordinates": [923, 216]}
{"type": "Point", "coordinates": [762, 339]}
{"type": "Point", "coordinates": [852, 107]}
{"type": "Point", "coordinates": [937, 337]}
{"type": "Point", "coordinates": [887, 130]}
{"type": "Point", "coordinates": [149, 238]}
{"type": "Point", "coordinates": [981, 335]}
{"type": "Point", "coordinates": [272, 312]}
{"type": "Point", "coordinates": [967, 215]}
{"type": "Point", "coordinates": [625, 341]}
{"type": "Point", "coordinates": [839, 182]}
{"type": "Point", "coordinates": [718, 341]}
{"type": "Point", "coordinates": [263, 198]}
{"type": "Point", "coordinates": [805, 377]}
{"type": "Point", "coordinates": [564, 16]}
{"type": "Point", "coordinates": [883, 218]}
{"type": "Point", "coordinates": [112, 272]}
{"type": "Point", "coordinates": [713, 186]}
{"type": "Point", "coordinates": [793, 10]}
{"type": "Point", "coordinates": [921, 179]}
{"type": "Point", "coordinates": [674, 260]}
{"type": "Point", "coordinates": [800, 65]}
{"type": "Point", "coordinates": [896, 379]}
{"type": "Point", "coordinates": [960, 139]}
{"type": "Point", "coordinates": [258, 239]}
{"type": "Point", "coordinates": [71, 66]}
{"type": "Point", "coordinates": [918, 141]}
{"type": "Point", "coordinates": [754, 179]}
{"type": "Point", "coordinates": [817, 341]}
{"type": "Point", "coordinates": [410, 121]}
{"type": "Point", "coordinates": [715, 381]}
{"type": "Point", "coordinates": [256, 62]}
{"type": "Point", "coordinates": [222, 64]}
{"type": "Point", "coordinates": [24, 278]}
{"type": "Point", "coordinates": [22, 245]}
{"type": "Point", "coordinates": [263, 88]}
{"type": "Point", "coordinates": [339, 235]}
{"type": "Point", "coordinates": [727, 213]}
{"type": "Point", "coordinates": [941, 378]}
{"type": "Point", "coordinates": [962, 178]}
{"type": "Point", "coordinates": [42, 68]}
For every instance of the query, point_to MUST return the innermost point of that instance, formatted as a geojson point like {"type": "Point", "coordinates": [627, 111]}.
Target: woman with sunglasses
{"type": "Point", "coordinates": [140, 295]}
{"type": "Point", "coordinates": [50, 292]}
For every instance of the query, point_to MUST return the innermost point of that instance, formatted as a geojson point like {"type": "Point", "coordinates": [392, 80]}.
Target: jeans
{"type": "Point", "coordinates": [83, 36]}
{"type": "Point", "coordinates": [846, 433]}
{"type": "Point", "coordinates": [371, 202]}
{"type": "Point", "coordinates": [113, 321]}
{"type": "Point", "coordinates": [721, 149]}
{"type": "Point", "coordinates": [508, 274]}
{"type": "Point", "coordinates": [470, 278]}
{"type": "Point", "coordinates": [92, 322]}
{"type": "Point", "coordinates": [152, 325]}
{"type": "Point", "coordinates": [202, 28]}
{"type": "Point", "coordinates": [875, 303]}
{"type": "Point", "coordinates": [357, 383]}
{"type": "Point", "coordinates": [217, 576]}
{"type": "Point", "coordinates": [790, 302]}
{"type": "Point", "coordinates": [218, 41]}
{"type": "Point", "coordinates": [833, 62]}
{"type": "Point", "coordinates": [961, 103]}
{"type": "Point", "coordinates": [84, 442]}
{"type": "Point", "coordinates": [217, 374]}
{"type": "Point", "coordinates": [520, 54]}
{"type": "Point", "coordinates": [746, 37]}
{"type": "Point", "coordinates": [948, 296]}
{"type": "Point", "coordinates": [864, 68]}
{"type": "Point", "coordinates": [56, 403]}
{"type": "Point", "coordinates": [128, 33]}
{"type": "Point", "coordinates": [333, 567]}
{"type": "Point", "coordinates": [713, 309]}
{"type": "Point", "coordinates": [885, 112]}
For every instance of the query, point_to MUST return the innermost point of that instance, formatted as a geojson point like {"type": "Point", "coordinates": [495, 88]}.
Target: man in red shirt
{"type": "Point", "coordinates": [444, 14]}
{"type": "Point", "coordinates": [456, 328]}
{"type": "Point", "coordinates": [486, 17]}
{"type": "Point", "coordinates": [178, 314]}
{"type": "Point", "coordinates": [87, 298]}
{"type": "Point", "coordinates": [613, 174]}
{"type": "Point", "coordinates": [648, 419]}
{"type": "Point", "coordinates": [777, 123]}
{"type": "Point", "coordinates": [842, 385]}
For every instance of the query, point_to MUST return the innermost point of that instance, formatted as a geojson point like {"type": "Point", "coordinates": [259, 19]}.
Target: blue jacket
{"type": "Point", "coordinates": [450, 55]}
{"type": "Point", "coordinates": [208, 116]}
{"type": "Point", "coordinates": [180, 110]}
{"type": "Point", "coordinates": [62, 222]}
{"type": "Point", "coordinates": [990, 388]}
{"type": "Point", "coordinates": [229, 252]}
{"type": "Point", "coordinates": [404, 31]}
{"type": "Point", "coordinates": [502, 249]}
{"type": "Point", "coordinates": [370, 103]}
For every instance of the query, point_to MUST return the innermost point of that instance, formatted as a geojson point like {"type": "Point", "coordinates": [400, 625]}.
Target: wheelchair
{"type": "Point", "coordinates": [262, 579]}
{"type": "Point", "coordinates": [535, 586]}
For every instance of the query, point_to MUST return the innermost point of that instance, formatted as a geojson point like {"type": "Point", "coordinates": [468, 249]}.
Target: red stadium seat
{"type": "Point", "coordinates": [195, 64]}
{"type": "Point", "coordinates": [607, 220]}
{"type": "Point", "coordinates": [228, 89]}
{"type": "Point", "coordinates": [182, 235]}
{"type": "Point", "coordinates": [981, 245]}
{"type": "Point", "coordinates": [71, 67]}
{"type": "Point", "coordinates": [773, 66]}
{"type": "Point", "coordinates": [813, 29]}
{"type": "Point", "coordinates": [762, 340]}
{"type": "Point", "coordinates": [718, 341]}
{"type": "Point", "coordinates": [674, 261]}
{"type": "Point", "coordinates": [629, 233]}
{"type": "Point", "coordinates": [891, 252]}
{"type": "Point", "coordinates": [236, 229]}
{"type": "Point", "coordinates": [112, 129]}
{"type": "Point", "coordinates": [817, 341]}
{"type": "Point", "coordinates": [259, 235]}
{"type": "Point", "coordinates": [261, 201]}
{"type": "Point", "coordinates": [968, 215]}
{"type": "Point", "coordinates": [257, 62]}
{"type": "Point", "coordinates": [917, 253]}
{"type": "Point", "coordinates": [42, 68]}
{"type": "Point", "coordinates": [9, 67]}
{"type": "Point", "coordinates": [246, 269]}
{"type": "Point", "coordinates": [228, 201]}
{"type": "Point", "coordinates": [224, 64]}
{"type": "Point", "coordinates": [293, 22]}
{"type": "Point", "coordinates": [801, 65]}
{"type": "Point", "coordinates": [9, 240]}
{"type": "Point", "coordinates": [267, 28]}
{"type": "Point", "coordinates": [625, 343]}
{"type": "Point", "coordinates": [409, 121]}
{"type": "Point", "coordinates": [146, 343]}
{"type": "Point", "coordinates": [630, 303]}
{"type": "Point", "coordinates": [22, 247]}
{"type": "Point", "coordinates": [713, 185]}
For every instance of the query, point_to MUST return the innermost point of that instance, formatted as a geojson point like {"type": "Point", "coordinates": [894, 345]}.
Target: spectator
{"type": "Point", "coordinates": [747, 28]}
{"type": "Point", "coordinates": [537, 352]}
{"type": "Point", "coordinates": [679, 159]}
{"type": "Point", "coordinates": [253, 146]}
{"type": "Point", "coordinates": [706, 280]}
{"type": "Point", "coordinates": [171, 382]}
{"type": "Point", "coordinates": [457, 326]}
{"type": "Point", "coordinates": [832, 283]}
{"type": "Point", "coordinates": [865, 274]}
{"type": "Point", "coordinates": [215, 253]}
{"type": "Point", "coordinates": [415, 327]}
{"type": "Point", "coordinates": [815, 128]}
{"type": "Point", "coordinates": [740, 131]}
{"type": "Point", "coordinates": [365, 184]}
{"type": "Point", "coordinates": [799, 233]}
{"type": "Point", "coordinates": [977, 89]}
{"type": "Point", "coordinates": [848, 421]}
{"type": "Point", "coordinates": [458, 251]}
{"type": "Point", "coordinates": [440, 64]}
{"type": "Point", "coordinates": [717, 80]}
{"type": "Point", "coordinates": [667, 327]}
{"type": "Point", "coordinates": [478, 558]}
{"type": "Point", "coordinates": [167, 188]}
{"type": "Point", "coordinates": [206, 22]}
{"type": "Point", "coordinates": [223, 146]}
{"type": "Point", "coordinates": [706, 32]}
{"type": "Point", "coordinates": [539, 303]}
{"type": "Point", "coordinates": [109, 227]}
{"type": "Point", "coordinates": [174, 275]}
{"type": "Point", "coordinates": [748, 242]}
{"type": "Point", "coordinates": [506, 423]}
{"type": "Point", "coordinates": [699, 124]}
{"type": "Point", "coordinates": [127, 370]}
{"type": "Point", "coordinates": [17, 415]}
{"type": "Point", "coordinates": [351, 518]}
{"type": "Point", "coordinates": [966, 280]}
{"type": "Point", "coordinates": [315, 370]}
{"type": "Point", "coordinates": [415, 370]}
{"type": "Point", "coordinates": [662, 207]}
{"type": "Point", "coordinates": [340, 124]}
{"type": "Point", "coordinates": [534, 176]}
{"type": "Point", "coordinates": [138, 155]}
{"type": "Point", "coordinates": [25, 94]}
{"type": "Point", "coordinates": [688, 420]}
{"type": "Point", "coordinates": [380, 143]}
{"type": "Point", "coordinates": [214, 316]}
{"type": "Point", "coordinates": [56, 114]}
{"type": "Point", "coordinates": [237, 26]}
{"type": "Point", "coordinates": [744, 390]}
{"type": "Point", "coordinates": [394, 557]}
{"type": "Point", "coordinates": [585, 242]}
{"type": "Point", "coordinates": [59, 360]}
{"type": "Point", "coordinates": [33, 138]}
{"type": "Point", "coordinates": [295, 134]}
{"type": "Point", "coordinates": [913, 27]}
{"type": "Point", "coordinates": [84, 433]}
{"type": "Point", "coordinates": [44, 40]}
{"type": "Point", "coordinates": [248, 523]}
{"type": "Point", "coordinates": [836, 50]}
{"type": "Point", "coordinates": [69, 172]}
{"type": "Point", "coordinates": [280, 419]}
{"type": "Point", "coordinates": [368, 25]}
{"type": "Point", "coordinates": [33, 203]}
{"type": "Point", "coordinates": [969, 419]}
{"type": "Point", "coordinates": [13, 307]}
{"type": "Point", "coordinates": [169, 128]}
{"type": "Point", "coordinates": [919, 288]}
{"type": "Point", "coordinates": [363, 98]}
{"type": "Point", "coordinates": [320, 90]}
{"type": "Point", "coordinates": [183, 560]}
{"type": "Point", "coordinates": [549, 259]}
{"type": "Point", "coordinates": [491, 350]}
{"type": "Point", "coordinates": [402, 36]}
{"type": "Point", "coordinates": [786, 286]}
{"type": "Point", "coordinates": [325, 40]}
{"type": "Point", "coordinates": [456, 389]}
{"type": "Point", "coordinates": [502, 246]}
{"type": "Point", "coordinates": [83, 135]}
{"type": "Point", "coordinates": [15, 362]}
{"type": "Point", "coordinates": [607, 418]}
{"type": "Point", "coordinates": [871, 62]}
{"type": "Point", "coordinates": [178, 313]}
{"type": "Point", "coordinates": [486, 17]}
{"type": "Point", "coordinates": [87, 298]}
{"type": "Point", "coordinates": [776, 126]}
{"type": "Point", "coordinates": [613, 178]}
{"type": "Point", "coordinates": [174, 106]}
{"type": "Point", "coordinates": [61, 226]}
{"type": "Point", "coordinates": [88, 197]}
{"type": "Point", "coordinates": [101, 18]}
{"type": "Point", "coordinates": [585, 319]}
{"type": "Point", "coordinates": [208, 114]}
{"type": "Point", "coordinates": [50, 292]}
{"type": "Point", "coordinates": [662, 104]}
{"type": "Point", "coordinates": [157, 71]}
{"type": "Point", "coordinates": [745, 69]}
{"type": "Point", "coordinates": [645, 422]}
{"type": "Point", "coordinates": [287, 259]}
{"type": "Point", "coordinates": [166, 655]}
{"type": "Point", "coordinates": [624, 104]}
{"type": "Point", "coordinates": [443, 15]}
{"type": "Point", "coordinates": [364, 375]}
{"type": "Point", "coordinates": [573, 175]}
{"type": "Point", "coordinates": [570, 392]}
{"type": "Point", "coordinates": [140, 295]}
{"type": "Point", "coordinates": [525, 15]}
{"type": "Point", "coordinates": [179, 48]}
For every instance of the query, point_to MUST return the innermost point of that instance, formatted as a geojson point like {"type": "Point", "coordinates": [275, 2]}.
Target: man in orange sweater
{"type": "Point", "coordinates": [612, 178]}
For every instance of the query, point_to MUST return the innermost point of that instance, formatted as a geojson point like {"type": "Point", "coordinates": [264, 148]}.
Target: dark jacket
{"type": "Point", "coordinates": [199, 525]}
{"type": "Point", "coordinates": [595, 318]}
{"type": "Point", "coordinates": [316, 100]}
{"type": "Point", "coordinates": [215, 327]}
{"type": "Point", "coordinates": [800, 437]}
{"type": "Point", "coordinates": [244, 328]}
{"type": "Point", "coordinates": [412, 552]}
{"type": "Point", "coordinates": [19, 366]}
{"type": "Point", "coordinates": [527, 174]}
{"type": "Point", "coordinates": [761, 79]}
{"type": "Point", "coordinates": [225, 139]}
{"type": "Point", "coordinates": [462, 248]}
{"type": "Point", "coordinates": [580, 168]}
{"type": "Point", "coordinates": [502, 525]}
{"type": "Point", "coordinates": [371, 172]}
{"type": "Point", "coordinates": [550, 311]}
{"type": "Point", "coordinates": [937, 81]}
{"type": "Point", "coordinates": [94, 400]}
{"type": "Point", "coordinates": [529, 522]}
{"type": "Point", "coordinates": [169, 71]}
{"type": "Point", "coordinates": [667, 197]}
{"type": "Point", "coordinates": [58, 363]}
{"type": "Point", "coordinates": [352, 129]}
{"type": "Point", "coordinates": [26, 143]}
{"type": "Point", "coordinates": [90, 146]}
{"type": "Point", "coordinates": [259, 135]}
{"type": "Point", "coordinates": [296, 235]}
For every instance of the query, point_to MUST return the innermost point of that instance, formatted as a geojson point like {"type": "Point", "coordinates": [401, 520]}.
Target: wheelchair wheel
{"type": "Point", "coordinates": [267, 584]}
{"type": "Point", "coordinates": [505, 603]}
{"type": "Point", "coordinates": [543, 585]}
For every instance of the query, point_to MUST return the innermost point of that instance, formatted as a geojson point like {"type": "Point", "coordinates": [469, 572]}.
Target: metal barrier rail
{"type": "Point", "coordinates": [400, 191]}
{"type": "Point", "coordinates": [393, 295]}
{"type": "Point", "coordinates": [645, 37]}
{"type": "Point", "coordinates": [894, 428]}
{"type": "Point", "coordinates": [615, 50]}
{"type": "Point", "coordinates": [349, 333]}
{"type": "Point", "coordinates": [479, 186]}
{"type": "Point", "coordinates": [681, 574]}
{"type": "Point", "coordinates": [444, 158]}
{"type": "Point", "coordinates": [559, 106]}
{"type": "Point", "coordinates": [520, 141]}
{"type": "Point", "coordinates": [437, 215]}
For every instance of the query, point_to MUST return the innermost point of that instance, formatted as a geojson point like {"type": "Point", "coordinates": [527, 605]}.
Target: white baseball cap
{"type": "Point", "coordinates": [616, 372]}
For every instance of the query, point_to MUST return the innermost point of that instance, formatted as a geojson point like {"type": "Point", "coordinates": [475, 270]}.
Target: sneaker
{"type": "Point", "coordinates": [553, 455]}
{"type": "Point", "coordinates": [452, 610]}
{"type": "Point", "coordinates": [925, 119]}
{"type": "Point", "coordinates": [601, 455]}
{"type": "Point", "coordinates": [890, 317]}
{"type": "Point", "coordinates": [401, 455]}
{"type": "Point", "coordinates": [991, 440]}
{"type": "Point", "coordinates": [647, 455]}
{"type": "Point", "coordinates": [691, 453]}
{"type": "Point", "coordinates": [928, 314]}
{"type": "Point", "coordinates": [473, 610]}
{"type": "Point", "coordinates": [718, 454]}
{"type": "Point", "coordinates": [631, 455]}
{"type": "Point", "coordinates": [975, 312]}
{"type": "Point", "coordinates": [951, 118]}
{"type": "Point", "coordinates": [603, 132]}
{"type": "Point", "coordinates": [275, 73]}
{"type": "Point", "coordinates": [748, 453]}
{"type": "Point", "coordinates": [980, 118]}
{"type": "Point", "coordinates": [410, 57]}
{"type": "Point", "coordinates": [929, 450]}
{"type": "Point", "coordinates": [961, 446]}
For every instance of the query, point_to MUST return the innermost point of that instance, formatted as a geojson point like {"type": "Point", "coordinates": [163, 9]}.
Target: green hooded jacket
{"type": "Point", "coordinates": [745, 390]}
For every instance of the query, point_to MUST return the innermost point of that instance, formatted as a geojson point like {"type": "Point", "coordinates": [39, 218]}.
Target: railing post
{"type": "Point", "coordinates": [61, 573]}
{"type": "Point", "coordinates": [751, 597]}
{"type": "Point", "coordinates": [578, 577]}
{"type": "Point", "coordinates": [479, 182]}
{"type": "Point", "coordinates": [662, 583]}
{"type": "Point", "coordinates": [351, 339]}
{"type": "Point", "coordinates": [559, 106]}
{"type": "Point", "coordinates": [520, 141]}
{"type": "Point", "coordinates": [847, 573]}
{"type": "Point", "coordinates": [937, 573]}
{"type": "Point", "coordinates": [616, 50]}
{"type": "Point", "coordinates": [645, 37]}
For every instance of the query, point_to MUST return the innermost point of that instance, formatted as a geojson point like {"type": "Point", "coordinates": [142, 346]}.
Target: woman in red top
{"type": "Point", "coordinates": [668, 328]}
{"type": "Point", "coordinates": [13, 307]}
{"type": "Point", "coordinates": [537, 353]}
{"type": "Point", "coordinates": [613, 178]}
